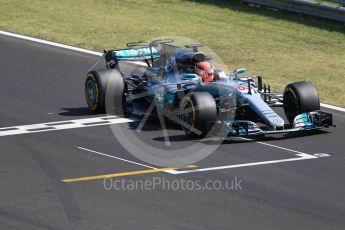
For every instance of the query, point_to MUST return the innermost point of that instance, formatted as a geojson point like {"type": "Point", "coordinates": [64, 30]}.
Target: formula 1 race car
{"type": "Point", "coordinates": [159, 78]}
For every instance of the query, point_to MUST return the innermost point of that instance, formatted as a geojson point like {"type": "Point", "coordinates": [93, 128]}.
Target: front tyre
{"type": "Point", "coordinates": [300, 97]}
{"type": "Point", "coordinates": [197, 113]}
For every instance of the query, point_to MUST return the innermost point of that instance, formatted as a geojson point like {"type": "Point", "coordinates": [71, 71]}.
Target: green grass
{"type": "Point", "coordinates": [282, 47]}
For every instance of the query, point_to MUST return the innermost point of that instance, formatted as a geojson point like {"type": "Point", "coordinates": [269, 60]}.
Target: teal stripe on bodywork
{"type": "Point", "coordinates": [136, 53]}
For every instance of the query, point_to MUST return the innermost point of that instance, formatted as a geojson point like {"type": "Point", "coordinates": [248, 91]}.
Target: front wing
{"type": "Point", "coordinates": [305, 121]}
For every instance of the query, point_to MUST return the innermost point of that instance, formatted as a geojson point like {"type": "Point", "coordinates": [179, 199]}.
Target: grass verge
{"type": "Point", "coordinates": [282, 47]}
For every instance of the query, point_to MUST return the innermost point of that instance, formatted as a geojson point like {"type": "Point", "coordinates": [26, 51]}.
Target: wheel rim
{"type": "Point", "coordinates": [91, 92]}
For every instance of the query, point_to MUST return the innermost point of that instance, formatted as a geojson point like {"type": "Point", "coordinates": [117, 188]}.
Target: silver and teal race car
{"type": "Point", "coordinates": [155, 78]}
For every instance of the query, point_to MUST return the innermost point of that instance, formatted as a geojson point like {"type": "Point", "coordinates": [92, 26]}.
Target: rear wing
{"type": "Point", "coordinates": [136, 51]}
{"type": "Point", "coordinates": [131, 54]}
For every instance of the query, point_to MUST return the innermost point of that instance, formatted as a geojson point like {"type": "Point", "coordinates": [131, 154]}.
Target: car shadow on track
{"type": "Point", "coordinates": [153, 124]}
{"type": "Point", "coordinates": [74, 112]}
{"type": "Point", "coordinates": [239, 140]}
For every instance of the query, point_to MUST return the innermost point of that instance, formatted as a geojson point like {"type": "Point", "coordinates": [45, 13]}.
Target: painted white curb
{"type": "Point", "coordinates": [50, 43]}
{"type": "Point", "coordinates": [24, 37]}
{"type": "Point", "coordinates": [332, 107]}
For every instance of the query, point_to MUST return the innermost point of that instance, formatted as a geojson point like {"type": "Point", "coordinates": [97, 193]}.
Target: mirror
{"type": "Point", "coordinates": [189, 75]}
{"type": "Point", "coordinates": [240, 70]}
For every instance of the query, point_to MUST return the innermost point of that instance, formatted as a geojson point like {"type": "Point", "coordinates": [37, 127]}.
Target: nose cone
{"type": "Point", "coordinates": [271, 118]}
{"type": "Point", "coordinates": [276, 121]}
{"type": "Point", "coordinates": [266, 114]}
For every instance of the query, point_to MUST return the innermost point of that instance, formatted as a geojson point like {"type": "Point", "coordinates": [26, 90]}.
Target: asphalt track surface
{"type": "Point", "coordinates": [41, 84]}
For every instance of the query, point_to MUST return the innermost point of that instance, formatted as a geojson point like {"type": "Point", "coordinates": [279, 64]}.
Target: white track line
{"type": "Point", "coordinates": [24, 37]}
{"type": "Point", "coordinates": [301, 156]}
{"type": "Point", "coordinates": [118, 158]}
{"type": "Point", "coordinates": [243, 165]}
{"type": "Point", "coordinates": [273, 146]}
{"type": "Point", "coordinates": [333, 107]}
{"type": "Point", "coordinates": [61, 125]}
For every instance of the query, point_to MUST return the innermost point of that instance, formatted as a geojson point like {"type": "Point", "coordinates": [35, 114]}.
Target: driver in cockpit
{"type": "Point", "coordinates": [204, 70]}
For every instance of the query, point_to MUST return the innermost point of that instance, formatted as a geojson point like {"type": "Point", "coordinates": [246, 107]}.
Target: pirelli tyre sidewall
{"type": "Point", "coordinates": [97, 83]}
{"type": "Point", "coordinates": [94, 94]}
{"type": "Point", "coordinates": [198, 111]}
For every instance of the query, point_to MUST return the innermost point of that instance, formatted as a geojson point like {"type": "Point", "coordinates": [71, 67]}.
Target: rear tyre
{"type": "Point", "coordinates": [100, 84]}
{"type": "Point", "coordinates": [300, 97]}
{"type": "Point", "coordinates": [198, 112]}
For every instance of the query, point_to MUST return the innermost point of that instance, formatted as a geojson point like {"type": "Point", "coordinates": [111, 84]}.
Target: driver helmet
{"type": "Point", "coordinates": [205, 71]}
